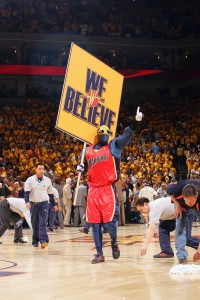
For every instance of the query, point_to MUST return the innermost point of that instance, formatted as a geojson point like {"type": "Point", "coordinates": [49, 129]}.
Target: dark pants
{"type": "Point", "coordinates": [192, 241]}
{"type": "Point", "coordinates": [39, 215]}
{"type": "Point", "coordinates": [127, 211]}
{"type": "Point", "coordinates": [51, 216]}
{"type": "Point", "coordinates": [165, 227]}
{"type": "Point", "coordinates": [98, 236]}
{"type": "Point", "coordinates": [7, 217]}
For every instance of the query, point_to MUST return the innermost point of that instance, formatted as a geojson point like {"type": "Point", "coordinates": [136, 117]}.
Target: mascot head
{"type": "Point", "coordinates": [103, 133]}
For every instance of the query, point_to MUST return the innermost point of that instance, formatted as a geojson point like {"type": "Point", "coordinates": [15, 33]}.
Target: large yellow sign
{"type": "Point", "coordinates": [90, 97]}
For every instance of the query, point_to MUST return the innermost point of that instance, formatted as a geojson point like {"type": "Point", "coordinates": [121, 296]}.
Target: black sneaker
{"type": "Point", "coordinates": [84, 230]}
{"type": "Point", "coordinates": [98, 258]}
{"type": "Point", "coordinates": [35, 245]}
{"type": "Point", "coordinates": [16, 241]}
{"type": "Point", "coordinates": [163, 255]}
{"type": "Point", "coordinates": [182, 261]}
{"type": "Point", "coordinates": [50, 229]}
{"type": "Point", "coordinates": [115, 251]}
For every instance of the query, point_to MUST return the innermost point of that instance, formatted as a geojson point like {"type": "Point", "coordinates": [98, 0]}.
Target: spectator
{"type": "Point", "coordinates": [67, 201]}
{"type": "Point", "coordinates": [80, 205]}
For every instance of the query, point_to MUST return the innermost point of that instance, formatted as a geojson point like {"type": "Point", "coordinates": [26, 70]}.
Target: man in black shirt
{"type": "Point", "coordinates": [185, 217]}
{"type": "Point", "coordinates": [192, 199]}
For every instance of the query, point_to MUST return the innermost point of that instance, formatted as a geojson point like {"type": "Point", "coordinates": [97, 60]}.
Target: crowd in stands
{"type": "Point", "coordinates": [168, 139]}
{"type": "Point", "coordinates": [139, 19]}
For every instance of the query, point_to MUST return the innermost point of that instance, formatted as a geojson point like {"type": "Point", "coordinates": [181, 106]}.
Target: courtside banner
{"type": "Point", "coordinates": [90, 97]}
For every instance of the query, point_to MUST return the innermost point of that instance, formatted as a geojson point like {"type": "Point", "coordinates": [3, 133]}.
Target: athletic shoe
{"type": "Point", "coordinates": [98, 258]}
{"type": "Point", "coordinates": [84, 230]}
{"type": "Point", "coordinates": [50, 229]}
{"type": "Point", "coordinates": [163, 255]}
{"type": "Point", "coordinates": [16, 241]}
{"type": "Point", "coordinates": [115, 251]}
{"type": "Point", "coordinates": [44, 245]}
{"type": "Point", "coordinates": [196, 256]}
{"type": "Point", "coordinates": [182, 261]}
{"type": "Point", "coordinates": [35, 245]}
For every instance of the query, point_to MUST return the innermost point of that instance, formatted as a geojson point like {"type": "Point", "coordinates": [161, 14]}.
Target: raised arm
{"type": "Point", "coordinates": [117, 144]}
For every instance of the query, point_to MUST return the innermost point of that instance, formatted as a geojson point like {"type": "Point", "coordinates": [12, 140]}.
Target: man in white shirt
{"type": "Point", "coordinates": [38, 193]}
{"type": "Point", "coordinates": [161, 212]}
{"type": "Point", "coordinates": [11, 211]}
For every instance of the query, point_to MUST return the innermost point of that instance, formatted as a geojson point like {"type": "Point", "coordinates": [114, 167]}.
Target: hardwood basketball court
{"type": "Point", "coordinates": [64, 271]}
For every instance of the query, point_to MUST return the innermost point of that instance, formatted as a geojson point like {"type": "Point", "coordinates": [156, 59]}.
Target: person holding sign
{"type": "Point", "coordinates": [102, 161]}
